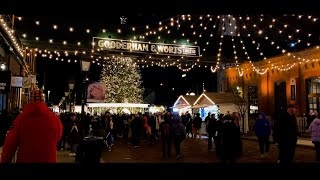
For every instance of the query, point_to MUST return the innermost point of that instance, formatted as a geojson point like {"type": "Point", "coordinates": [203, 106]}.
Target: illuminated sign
{"type": "Point", "coordinates": [145, 47]}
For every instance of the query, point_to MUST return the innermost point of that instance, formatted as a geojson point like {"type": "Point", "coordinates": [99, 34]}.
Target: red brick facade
{"type": "Point", "coordinates": [297, 67]}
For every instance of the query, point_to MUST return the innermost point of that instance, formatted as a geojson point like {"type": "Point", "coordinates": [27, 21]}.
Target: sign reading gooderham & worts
{"type": "Point", "coordinates": [108, 44]}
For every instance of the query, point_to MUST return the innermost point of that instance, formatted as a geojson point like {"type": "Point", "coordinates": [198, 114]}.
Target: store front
{"type": "Point", "coordinates": [5, 83]}
{"type": "Point", "coordinates": [184, 104]}
{"type": "Point", "coordinates": [117, 108]}
{"type": "Point", "coordinates": [216, 103]}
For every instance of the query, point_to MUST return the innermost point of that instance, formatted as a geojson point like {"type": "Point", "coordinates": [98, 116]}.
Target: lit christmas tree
{"type": "Point", "coordinates": [123, 81]}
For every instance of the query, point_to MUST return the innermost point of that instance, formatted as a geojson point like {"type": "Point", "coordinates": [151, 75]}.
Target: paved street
{"type": "Point", "coordinates": [194, 151]}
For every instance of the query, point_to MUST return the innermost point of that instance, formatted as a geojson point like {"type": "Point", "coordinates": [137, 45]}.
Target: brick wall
{"type": "Point", "coordinates": [297, 69]}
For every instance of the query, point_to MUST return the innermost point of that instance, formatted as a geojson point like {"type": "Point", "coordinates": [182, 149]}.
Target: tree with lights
{"type": "Point", "coordinates": [123, 81]}
{"type": "Point", "coordinates": [242, 104]}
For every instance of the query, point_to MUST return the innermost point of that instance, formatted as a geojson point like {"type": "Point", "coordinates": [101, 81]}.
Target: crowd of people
{"type": "Point", "coordinates": [36, 134]}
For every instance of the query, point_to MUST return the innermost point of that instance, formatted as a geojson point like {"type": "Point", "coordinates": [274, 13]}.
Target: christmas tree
{"type": "Point", "coordinates": [123, 81]}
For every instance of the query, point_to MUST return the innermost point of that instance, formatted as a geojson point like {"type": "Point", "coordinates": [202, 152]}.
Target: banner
{"type": "Point", "coordinates": [145, 47]}
{"type": "Point", "coordinates": [96, 92]}
{"type": "Point", "coordinates": [5, 81]}
{"type": "Point", "coordinates": [26, 82]}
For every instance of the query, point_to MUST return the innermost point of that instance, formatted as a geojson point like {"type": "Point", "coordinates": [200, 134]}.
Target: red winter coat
{"type": "Point", "coordinates": [34, 135]}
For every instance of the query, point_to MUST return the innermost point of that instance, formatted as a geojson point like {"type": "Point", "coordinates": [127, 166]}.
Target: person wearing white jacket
{"type": "Point", "coordinates": [314, 129]}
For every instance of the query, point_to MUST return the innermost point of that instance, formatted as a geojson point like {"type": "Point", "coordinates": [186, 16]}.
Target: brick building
{"type": "Point", "coordinates": [16, 64]}
{"type": "Point", "coordinates": [273, 83]}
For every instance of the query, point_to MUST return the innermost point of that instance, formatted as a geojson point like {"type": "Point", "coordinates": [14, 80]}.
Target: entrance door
{"type": "Point", "coordinates": [280, 97]}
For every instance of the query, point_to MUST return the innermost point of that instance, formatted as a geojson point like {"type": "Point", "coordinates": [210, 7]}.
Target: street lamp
{"type": "Point", "coordinates": [63, 103]}
{"type": "Point", "coordinates": [85, 67]}
{"type": "Point", "coordinates": [71, 86]}
{"type": "Point", "coordinates": [66, 94]}
{"type": "Point", "coordinates": [3, 66]}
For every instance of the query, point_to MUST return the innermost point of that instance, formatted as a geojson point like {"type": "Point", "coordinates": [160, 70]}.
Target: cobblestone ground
{"type": "Point", "coordinates": [193, 151]}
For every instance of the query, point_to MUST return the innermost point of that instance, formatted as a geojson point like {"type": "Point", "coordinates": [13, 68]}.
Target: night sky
{"type": "Point", "coordinates": [56, 74]}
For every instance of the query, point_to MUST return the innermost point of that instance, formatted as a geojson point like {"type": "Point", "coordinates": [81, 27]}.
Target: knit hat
{"type": "Point", "coordinates": [36, 96]}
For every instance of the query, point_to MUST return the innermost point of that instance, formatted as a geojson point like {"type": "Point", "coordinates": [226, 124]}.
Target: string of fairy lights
{"type": "Point", "coordinates": [176, 24]}
{"type": "Point", "coordinates": [92, 51]}
{"type": "Point", "coordinates": [283, 50]}
{"type": "Point", "coordinates": [253, 41]}
{"type": "Point", "coordinates": [10, 32]}
{"type": "Point", "coordinates": [263, 71]}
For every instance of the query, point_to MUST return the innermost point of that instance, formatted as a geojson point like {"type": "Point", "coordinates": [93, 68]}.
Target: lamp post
{"type": "Point", "coordinates": [3, 67]}
{"type": "Point", "coordinates": [63, 100]}
{"type": "Point", "coordinates": [85, 67]}
{"type": "Point", "coordinates": [71, 86]}
{"type": "Point", "coordinates": [66, 94]}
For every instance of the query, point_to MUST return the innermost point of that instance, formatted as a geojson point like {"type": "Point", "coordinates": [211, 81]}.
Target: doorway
{"type": "Point", "coordinates": [280, 97]}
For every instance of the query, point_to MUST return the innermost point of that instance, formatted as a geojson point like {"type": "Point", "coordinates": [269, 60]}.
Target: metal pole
{"type": "Point", "coordinates": [83, 94]}
{"type": "Point", "coordinates": [70, 100]}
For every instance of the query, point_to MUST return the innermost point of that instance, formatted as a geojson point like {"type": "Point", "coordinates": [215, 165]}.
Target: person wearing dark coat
{"type": "Point", "coordinates": [5, 124]}
{"type": "Point", "coordinates": [179, 134]}
{"type": "Point", "coordinates": [197, 121]}
{"type": "Point", "coordinates": [211, 129]}
{"type": "Point", "coordinates": [152, 125]}
{"type": "Point", "coordinates": [262, 129]}
{"type": "Point", "coordinates": [231, 140]}
{"type": "Point", "coordinates": [189, 125]}
{"type": "Point", "coordinates": [63, 140]}
{"type": "Point", "coordinates": [74, 134]}
{"type": "Point", "coordinates": [166, 137]}
{"type": "Point", "coordinates": [218, 135]}
{"type": "Point", "coordinates": [285, 134]}
{"type": "Point", "coordinates": [136, 129]}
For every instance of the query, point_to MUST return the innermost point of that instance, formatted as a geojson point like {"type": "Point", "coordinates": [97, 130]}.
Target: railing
{"type": "Point", "coordinates": [303, 126]}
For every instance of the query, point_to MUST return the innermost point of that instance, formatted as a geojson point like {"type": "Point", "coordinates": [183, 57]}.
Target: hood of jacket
{"type": "Point", "coordinates": [316, 121]}
{"type": "Point", "coordinates": [35, 108]}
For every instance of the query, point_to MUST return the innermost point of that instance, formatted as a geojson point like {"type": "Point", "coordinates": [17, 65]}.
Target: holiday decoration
{"type": "Point", "coordinates": [123, 81]}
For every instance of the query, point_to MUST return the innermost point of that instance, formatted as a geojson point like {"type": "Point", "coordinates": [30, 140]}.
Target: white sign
{"type": "Point", "coordinates": [16, 81]}
{"type": "Point", "coordinates": [146, 47]}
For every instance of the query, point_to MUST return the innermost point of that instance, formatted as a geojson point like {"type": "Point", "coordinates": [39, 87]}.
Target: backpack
{"type": "Point", "coordinates": [178, 131]}
{"type": "Point", "coordinates": [166, 130]}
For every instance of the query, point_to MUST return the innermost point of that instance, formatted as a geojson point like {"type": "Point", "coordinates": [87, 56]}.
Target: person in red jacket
{"type": "Point", "coordinates": [34, 134]}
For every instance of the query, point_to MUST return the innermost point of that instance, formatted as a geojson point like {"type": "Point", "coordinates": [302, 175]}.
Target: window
{"type": "Point", "coordinates": [313, 94]}
{"type": "Point", "coordinates": [313, 103]}
{"type": "Point", "coordinates": [253, 99]}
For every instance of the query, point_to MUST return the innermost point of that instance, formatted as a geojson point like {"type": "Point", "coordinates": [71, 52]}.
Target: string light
{"type": "Point", "coordinates": [260, 53]}
{"type": "Point", "coordinates": [12, 37]}
{"type": "Point", "coordinates": [204, 28]}
{"type": "Point", "coordinates": [296, 31]}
